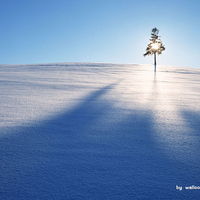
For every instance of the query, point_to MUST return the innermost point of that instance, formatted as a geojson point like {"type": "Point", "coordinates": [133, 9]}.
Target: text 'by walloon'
{"type": "Point", "coordinates": [193, 187]}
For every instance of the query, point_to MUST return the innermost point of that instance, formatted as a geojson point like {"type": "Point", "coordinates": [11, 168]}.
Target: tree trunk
{"type": "Point", "coordinates": [155, 61]}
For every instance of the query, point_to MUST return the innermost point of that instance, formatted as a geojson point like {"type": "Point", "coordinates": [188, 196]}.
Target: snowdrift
{"type": "Point", "coordinates": [99, 131]}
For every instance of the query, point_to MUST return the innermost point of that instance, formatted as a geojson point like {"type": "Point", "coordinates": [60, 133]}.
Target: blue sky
{"type": "Point", "coordinates": [113, 31]}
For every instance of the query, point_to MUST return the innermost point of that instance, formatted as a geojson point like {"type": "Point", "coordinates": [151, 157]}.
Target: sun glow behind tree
{"type": "Point", "coordinates": [155, 45]}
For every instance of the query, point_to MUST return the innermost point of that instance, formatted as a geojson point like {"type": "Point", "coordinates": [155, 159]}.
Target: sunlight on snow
{"type": "Point", "coordinates": [73, 130]}
{"type": "Point", "coordinates": [31, 94]}
{"type": "Point", "coordinates": [168, 98]}
{"type": "Point", "coordinates": [165, 95]}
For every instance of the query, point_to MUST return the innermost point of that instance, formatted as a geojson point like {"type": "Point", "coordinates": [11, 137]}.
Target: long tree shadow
{"type": "Point", "coordinates": [193, 121]}
{"type": "Point", "coordinates": [89, 152]}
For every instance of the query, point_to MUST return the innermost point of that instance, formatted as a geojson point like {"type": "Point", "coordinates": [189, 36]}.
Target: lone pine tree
{"type": "Point", "coordinates": [155, 45]}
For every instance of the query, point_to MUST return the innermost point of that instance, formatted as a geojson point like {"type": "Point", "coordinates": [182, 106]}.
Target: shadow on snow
{"type": "Point", "coordinates": [95, 151]}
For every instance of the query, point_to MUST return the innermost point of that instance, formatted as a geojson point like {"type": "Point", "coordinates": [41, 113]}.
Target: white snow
{"type": "Point", "coordinates": [99, 131]}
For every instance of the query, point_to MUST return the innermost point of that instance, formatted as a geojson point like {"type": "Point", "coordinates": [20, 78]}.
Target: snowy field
{"type": "Point", "coordinates": [99, 131]}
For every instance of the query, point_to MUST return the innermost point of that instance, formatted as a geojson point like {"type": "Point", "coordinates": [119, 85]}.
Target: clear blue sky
{"type": "Point", "coordinates": [114, 31]}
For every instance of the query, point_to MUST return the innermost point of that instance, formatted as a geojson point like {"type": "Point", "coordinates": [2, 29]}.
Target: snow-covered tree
{"type": "Point", "coordinates": [155, 45]}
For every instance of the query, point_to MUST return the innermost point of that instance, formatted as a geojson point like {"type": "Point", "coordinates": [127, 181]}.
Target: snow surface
{"type": "Point", "coordinates": [99, 131]}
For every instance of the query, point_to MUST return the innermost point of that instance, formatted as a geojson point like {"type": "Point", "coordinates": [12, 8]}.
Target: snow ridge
{"type": "Point", "coordinates": [99, 131]}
